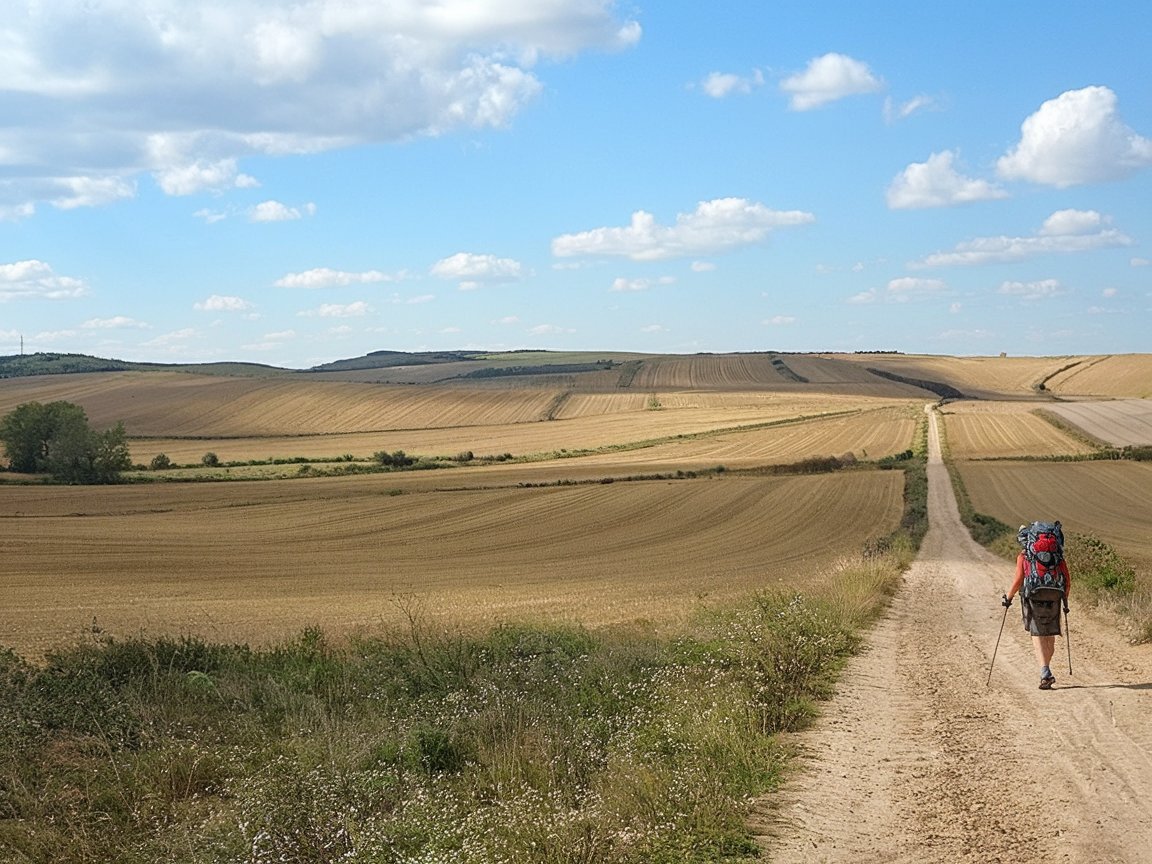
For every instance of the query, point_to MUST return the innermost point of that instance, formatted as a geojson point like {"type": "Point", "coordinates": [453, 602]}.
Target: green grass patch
{"type": "Point", "coordinates": [527, 743]}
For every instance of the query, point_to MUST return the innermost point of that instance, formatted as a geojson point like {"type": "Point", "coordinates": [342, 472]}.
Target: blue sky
{"type": "Point", "coordinates": [294, 183]}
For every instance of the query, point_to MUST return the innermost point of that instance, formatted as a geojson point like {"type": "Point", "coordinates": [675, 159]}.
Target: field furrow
{"type": "Point", "coordinates": [239, 563]}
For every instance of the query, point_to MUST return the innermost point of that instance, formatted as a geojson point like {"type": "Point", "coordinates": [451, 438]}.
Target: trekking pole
{"type": "Point", "coordinates": [1006, 604]}
{"type": "Point", "coordinates": [1068, 638]}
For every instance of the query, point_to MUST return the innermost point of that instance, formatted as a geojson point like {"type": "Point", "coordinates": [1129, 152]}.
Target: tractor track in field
{"type": "Point", "coordinates": [918, 759]}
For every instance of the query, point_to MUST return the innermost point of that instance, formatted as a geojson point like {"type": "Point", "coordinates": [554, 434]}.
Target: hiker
{"type": "Point", "coordinates": [1043, 582]}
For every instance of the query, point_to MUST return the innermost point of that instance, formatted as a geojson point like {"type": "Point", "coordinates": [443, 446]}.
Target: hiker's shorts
{"type": "Point", "coordinates": [1041, 612]}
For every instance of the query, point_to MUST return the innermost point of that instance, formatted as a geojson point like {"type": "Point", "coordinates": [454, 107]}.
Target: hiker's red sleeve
{"type": "Point", "coordinates": [1067, 577]}
{"type": "Point", "coordinates": [1019, 583]}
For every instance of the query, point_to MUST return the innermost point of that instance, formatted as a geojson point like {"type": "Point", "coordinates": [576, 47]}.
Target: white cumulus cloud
{"type": "Point", "coordinates": [324, 277]}
{"type": "Point", "coordinates": [34, 279]}
{"type": "Point", "coordinates": [713, 227]}
{"type": "Point", "coordinates": [117, 322]}
{"type": "Point", "coordinates": [1039, 290]}
{"type": "Point", "coordinates": [338, 310]}
{"type": "Point", "coordinates": [937, 183]}
{"type": "Point", "coordinates": [473, 270]}
{"type": "Point", "coordinates": [1065, 231]}
{"type": "Point", "coordinates": [780, 320]}
{"type": "Point", "coordinates": [274, 211]}
{"type": "Point", "coordinates": [827, 79]}
{"type": "Point", "coordinates": [641, 284]}
{"type": "Point", "coordinates": [721, 84]}
{"type": "Point", "coordinates": [105, 92]}
{"type": "Point", "coordinates": [222, 303]}
{"type": "Point", "coordinates": [1076, 138]}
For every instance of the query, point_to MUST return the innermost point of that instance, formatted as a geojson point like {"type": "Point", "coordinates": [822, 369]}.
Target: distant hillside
{"type": "Point", "coordinates": [27, 365]}
{"type": "Point", "coordinates": [390, 359]}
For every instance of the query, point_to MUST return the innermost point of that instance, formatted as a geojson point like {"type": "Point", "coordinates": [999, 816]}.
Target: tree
{"type": "Point", "coordinates": [56, 439]}
{"type": "Point", "coordinates": [210, 460]}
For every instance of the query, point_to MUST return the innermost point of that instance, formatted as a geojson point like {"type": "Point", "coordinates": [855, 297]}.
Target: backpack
{"type": "Point", "coordinates": [1043, 545]}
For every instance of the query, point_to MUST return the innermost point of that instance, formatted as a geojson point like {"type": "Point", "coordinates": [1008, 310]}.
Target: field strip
{"type": "Point", "coordinates": [254, 562]}
{"type": "Point", "coordinates": [1121, 422]}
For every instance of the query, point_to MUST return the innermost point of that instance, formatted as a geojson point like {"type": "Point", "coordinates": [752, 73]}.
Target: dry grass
{"type": "Point", "coordinates": [257, 561]}
{"type": "Point", "coordinates": [983, 430]}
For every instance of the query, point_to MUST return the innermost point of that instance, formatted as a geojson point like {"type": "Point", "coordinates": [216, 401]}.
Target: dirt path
{"type": "Point", "coordinates": [917, 760]}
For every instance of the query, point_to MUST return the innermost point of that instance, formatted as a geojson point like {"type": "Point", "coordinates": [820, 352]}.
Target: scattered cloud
{"type": "Point", "coordinates": [1110, 292]}
{"type": "Point", "coordinates": [549, 330]}
{"type": "Point", "coordinates": [1066, 223]}
{"type": "Point", "coordinates": [1040, 290]}
{"type": "Point", "coordinates": [118, 322]}
{"type": "Point", "coordinates": [196, 88]}
{"type": "Point", "coordinates": [908, 287]}
{"type": "Point", "coordinates": [33, 279]}
{"type": "Point", "coordinates": [703, 266]}
{"type": "Point", "coordinates": [954, 308]}
{"type": "Point", "coordinates": [507, 320]}
{"type": "Point", "coordinates": [323, 277]}
{"type": "Point", "coordinates": [1048, 240]}
{"type": "Point", "coordinates": [472, 270]}
{"type": "Point", "coordinates": [827, 79]}
{"type": "Point", "coordinates": [211, 217]}
{"type": "Point", "coordinates": [336, 310]}
{"type": "Point", "coordinates": [721, 84]}
{"type": "Point", "coordinates": [780, 320]}
{"type": "Point", "coordinates": [713, 227]}
{"type": "Point", "coordinates": [222, 303]}
{"type": "Point", "coordinates": [936, 183]}
{"type": "Point", "coordinates": [894, 112]}
{"type": "Point", "coordinates": [653, 328]}
{"type": "Point", "coordinates": [1076, 138]}
{"type": "Point", "coordinates": [642, 284]}
{"type": "Point", "coordinates": [274, 211]}
{"type": "Point", "coordinates": [1140, 262]}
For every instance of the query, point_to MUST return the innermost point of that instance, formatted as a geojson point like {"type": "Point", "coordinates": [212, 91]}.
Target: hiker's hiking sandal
{"type": "Point", "coordinates": [1046, 682]}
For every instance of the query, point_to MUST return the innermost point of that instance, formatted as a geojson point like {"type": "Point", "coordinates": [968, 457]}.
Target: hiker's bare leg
{"type": "Point", "coordinates": [1045, 647]}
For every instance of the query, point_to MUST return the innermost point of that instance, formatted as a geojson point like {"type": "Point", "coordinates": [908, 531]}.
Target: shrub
{"type": "Point", "coordinates": [210, 460]}
{"type": "Point", "coordinates": [160, 462]}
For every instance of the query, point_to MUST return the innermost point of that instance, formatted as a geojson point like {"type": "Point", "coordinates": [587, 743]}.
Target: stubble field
{"type": "Point", "coordinates": [547, 535]}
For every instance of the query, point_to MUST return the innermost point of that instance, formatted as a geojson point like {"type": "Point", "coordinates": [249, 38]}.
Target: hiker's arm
{"type": "Point", "coordinates": [1019, 583]}
{"type": "Point", "coordinates": [1067, 578]}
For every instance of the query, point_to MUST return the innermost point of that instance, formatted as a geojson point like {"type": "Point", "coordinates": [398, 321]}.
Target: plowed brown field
{"type": "Point", "coordinates": [254, 562]}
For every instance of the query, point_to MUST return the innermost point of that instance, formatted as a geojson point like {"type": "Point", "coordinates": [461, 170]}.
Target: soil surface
{"type": "Point", "coordinates": [920, 758]}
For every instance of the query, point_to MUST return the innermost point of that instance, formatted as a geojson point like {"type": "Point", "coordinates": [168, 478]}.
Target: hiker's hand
{"type": "Point", "coordinates": [1065, 606]}
{"type": "Point", "coordinates": [1005, 601]}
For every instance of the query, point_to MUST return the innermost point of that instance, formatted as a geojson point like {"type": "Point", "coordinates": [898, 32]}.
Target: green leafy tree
{"type": "Point", "coordinates": [56, 439]}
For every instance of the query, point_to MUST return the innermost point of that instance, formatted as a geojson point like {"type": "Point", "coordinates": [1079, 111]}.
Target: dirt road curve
{"type": "Point", "coordinates": [916, 760]}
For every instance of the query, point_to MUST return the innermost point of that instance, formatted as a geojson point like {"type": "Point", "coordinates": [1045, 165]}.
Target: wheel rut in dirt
{"type": "Point", "coordinates": [918, 759]}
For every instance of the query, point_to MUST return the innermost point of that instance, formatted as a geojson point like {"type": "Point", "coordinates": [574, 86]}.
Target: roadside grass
{"type": "Point", "coordinates": [527, 743]}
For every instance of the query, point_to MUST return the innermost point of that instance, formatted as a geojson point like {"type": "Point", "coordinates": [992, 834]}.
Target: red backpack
{"type": "Point", "coordinates": [1043, 545]}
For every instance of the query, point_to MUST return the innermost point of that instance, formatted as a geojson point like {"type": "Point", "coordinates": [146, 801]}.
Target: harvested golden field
{"type": "Point", "coordinates": [255, 562]}
{"type": "Point", "coordinates": [206, 406]}
{"type": "Point", "coordinates": [979, 377]}
{"type": "Point", "coordinates": [1108, 499]}
{"type": "Point", "coordinates": [588, 431]}
{"type": "Point", "coordinates": [710, 371]}
{"type": "Point", "coordinates": [1116, 375]}
{"type": "Point", "coordinates": [995, 430]}
{"type": "Point", "coordinates": [866, 435]}
{"type": "Point", "coordinates": [1120, 422]}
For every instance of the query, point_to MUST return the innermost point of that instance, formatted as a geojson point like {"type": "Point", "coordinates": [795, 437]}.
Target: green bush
{"type": "Point", "coordinates": [1098, 568]}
